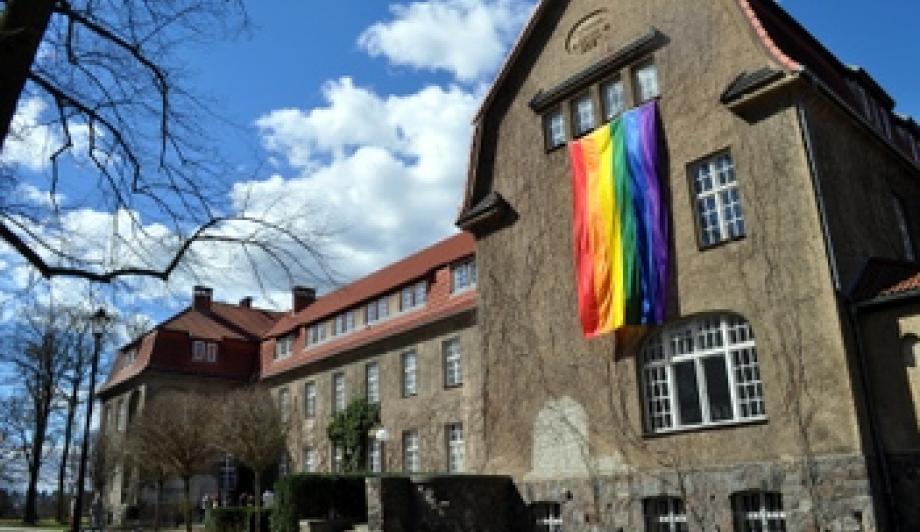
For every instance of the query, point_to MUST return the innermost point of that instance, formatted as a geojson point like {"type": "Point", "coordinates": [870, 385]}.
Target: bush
{"type": "Point", "coordinates": [235, 519]}
{"type": "Point", "coordinates": [309, 496]}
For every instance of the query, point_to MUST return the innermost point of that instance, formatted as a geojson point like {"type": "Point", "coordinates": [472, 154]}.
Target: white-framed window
{"type": "Point", "coordinates": [758, 511]}
{"type": "Point", "coordinates": [309, 399]}
{"type": "Point", "coordinates": [374, 455]}
{"type": "Point", "coordinates": [338, 458]}
{"type": "Point", "coordinates": [309, 460]}
{"type": "Point", "coordinates": [645, 79]}
{"type": "Point", "coordinates": [665, 514]}
{"type": "Point", "coordinates": [284, 465]}
{"type": "Point", "coordinates": [316, 333]}
{"type": "Point", "coordinates": [614, 98]}
{"type": "Point", "coordinates": [717, 200]}
{"type": "Point", "coordinates": [413, 295]}
{"type": "Point", "coordinates": [411, 458]}
{"type": "Point", "coordinates": [372, 382]}
{"type": "Point", "coordinates": [583, 115]}
{"type": "Point", "coordinates": [338, 392]}
{"type": "Point", "coordinates": [463, 275]}
{"type": "Point", "coordinates": [120, 416]}
{"type": "Point", "coordinates": [199, 350]}
{"type": "Point", "coordinates": [900, 213]}
{"type": "Point", "coordinates": [409, 374]}
{"type": "Point", "coordinates": [456, 447]}
{"type": "Point", "coordinates": [554, 128]}
{"type": "Point", "coordinates": [212, 352]}
{"type": "Point", "coordinates": [284, 404]}
{"type": "Point", "coordinates": [284, 346]}
{"type": "Point", "coordinates": [453, 367]}
{"type": "Point", "coordinates": [378, 309]}
{"type": "Point", "coordinates": [547, 516]}
{"type": "Point", "coordinates": [701, 372]}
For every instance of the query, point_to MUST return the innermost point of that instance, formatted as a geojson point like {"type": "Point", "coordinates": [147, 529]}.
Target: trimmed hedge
{"type": "Point", "coordinates": [235, 519]}
{"type": "Point", "coordinates": [317, 496]}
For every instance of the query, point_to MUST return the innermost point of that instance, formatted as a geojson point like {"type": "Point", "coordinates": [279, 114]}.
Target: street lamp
{"type": "Point", "coordinates": [98, 322]}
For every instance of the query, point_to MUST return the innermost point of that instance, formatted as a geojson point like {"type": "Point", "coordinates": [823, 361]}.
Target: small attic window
{"type": "Point", "coordinates": [130, 356]}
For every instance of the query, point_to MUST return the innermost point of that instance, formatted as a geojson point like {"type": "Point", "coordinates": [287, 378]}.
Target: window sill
{"type": "Point", "coordinates": [707, 427]}
{"type": "Point", "coordinates": [721, 243]}
{"type": "Point", "coordinates": [453, 386]}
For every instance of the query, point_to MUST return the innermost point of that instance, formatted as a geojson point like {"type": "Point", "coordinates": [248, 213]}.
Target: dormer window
{"type": "Point", "coordinates": [130, 356]}
{"type": "Point", "coordinates": [284, 346]}
{"type": "Point", "coordinates": [316, 333]}
{"type": "Point", "coordinates": [414, 295]}
{"type": "Point", "coordinates": [378, 309]}
{"type": "Point", "coordinates": [463, 275]}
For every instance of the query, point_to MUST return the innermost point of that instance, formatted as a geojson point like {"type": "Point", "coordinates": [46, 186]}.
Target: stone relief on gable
{"type": "Point", "coordinates": [588, 32]}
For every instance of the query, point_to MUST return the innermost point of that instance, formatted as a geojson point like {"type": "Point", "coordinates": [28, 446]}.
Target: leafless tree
{"type": "Point", "coordinates": [252, 430]}
{"type": "Point", "coordinates": [172, 434]}
{"type": "Point", "coordinates": [35, 351]}
{"type": "Point", "coordinates": [76, 348]}
{"type": "Point", "coordinates": [108, 69]}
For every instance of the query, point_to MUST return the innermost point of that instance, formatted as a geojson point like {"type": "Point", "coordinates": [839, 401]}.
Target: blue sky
{"type": "Point", "coordinates": [365, 106]}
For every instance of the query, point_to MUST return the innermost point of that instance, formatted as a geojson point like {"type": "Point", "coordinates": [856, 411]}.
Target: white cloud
{"type": "Point", "coordinates": [33, 139]}
{"type": "Point", "coordinates": [465, 37]}
{"type": "Point", "coordinates": [30, 142]}
{"type": "Point", "coordinates": [389, 171]}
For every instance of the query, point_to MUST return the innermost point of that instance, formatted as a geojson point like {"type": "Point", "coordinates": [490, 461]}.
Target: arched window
{"type": "Point", "coordinates": [701, 372]}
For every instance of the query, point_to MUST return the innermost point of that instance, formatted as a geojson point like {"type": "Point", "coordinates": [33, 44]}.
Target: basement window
{"type": "Point", "coordinates": [665, 514]}
{"type": "Point", "coordinates": [547, 516]}
{"type": "Point", "coordinates": [758, 511]}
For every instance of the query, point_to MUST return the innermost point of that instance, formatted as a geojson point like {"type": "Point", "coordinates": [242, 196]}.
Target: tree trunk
{"type": "Point", "coordinates": [42, 402]}
{"type": "Point", "coordinates": [22, 26]}
{"type": "Point", "coordinates": [72, 403]}
{"type": "Point", "coordinates": [30, 514]}
{"type": "Point", "coordinates": [256, 481]}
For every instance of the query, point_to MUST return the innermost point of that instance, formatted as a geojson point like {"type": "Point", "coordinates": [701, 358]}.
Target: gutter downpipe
{"type": "Point", "coordinates": [851, 313]}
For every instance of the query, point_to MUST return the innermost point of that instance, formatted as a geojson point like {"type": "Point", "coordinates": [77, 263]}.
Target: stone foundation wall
{"type": "Point", "coordinates": [837, 500]}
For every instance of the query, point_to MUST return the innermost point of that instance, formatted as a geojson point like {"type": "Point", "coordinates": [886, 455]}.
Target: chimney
{"type": "Point", "coordinates": [201, 298]}
{"type": "Point", "coordinates": [303, 297]}
{"type": "Point", "coordinates": [246, 302]}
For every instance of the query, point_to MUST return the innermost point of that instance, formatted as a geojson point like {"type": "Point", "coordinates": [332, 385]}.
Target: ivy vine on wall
{"type": "Point", "coordinates": [349, 428]}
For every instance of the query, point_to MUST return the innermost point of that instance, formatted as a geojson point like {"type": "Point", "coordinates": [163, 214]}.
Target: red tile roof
{"type": "Point", "coordinates": [380, 282]}
{"type": "Point", "coordinates": [910, 284]}
{"type": "Point", "coordinates": [886, 277]}
{"type": "Point", "coordinates": [436, 309]}
{"type": "Point", "coordinates": [224, 320]}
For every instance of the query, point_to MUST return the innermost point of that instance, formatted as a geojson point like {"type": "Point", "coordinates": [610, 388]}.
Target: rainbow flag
{"type": "Point", "coordinates": [620, 225]}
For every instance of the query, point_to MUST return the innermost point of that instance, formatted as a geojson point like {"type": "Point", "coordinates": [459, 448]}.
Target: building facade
{"type": "Point", "coordinates": [781, 391]}
{"type": "Point", "coordinates": [783, 171]}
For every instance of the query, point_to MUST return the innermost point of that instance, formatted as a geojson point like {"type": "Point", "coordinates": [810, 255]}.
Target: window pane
{"type": "Point", "coordinates": [717, 388]}
{"type": "Point", "coordinates": [614, 101]}
{"type": "Point", "coordinates": [646, 82]}
{"type": "Point", "coordinates": [555, 129]}
{"type": "Point", "coordinates": [688, 393]}
{"type": "Point", "coordinates": [583, 114]}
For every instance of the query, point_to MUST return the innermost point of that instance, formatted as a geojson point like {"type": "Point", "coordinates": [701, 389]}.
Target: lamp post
{"type": "Point", "coordinates": [98, 322]}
